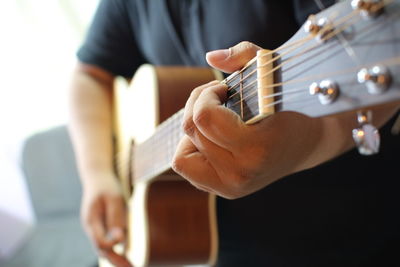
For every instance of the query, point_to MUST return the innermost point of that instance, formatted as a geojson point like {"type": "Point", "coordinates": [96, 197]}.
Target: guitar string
{"type": "Point", "coordinates": [331, 34]}
{"type": "Point", "coordinates": [268, 104]}
{"type": "Point", "coordinates": [155, 143]}
{"type": "Point", "coordinates": [343, 19]}
{"type": "Point", "coordinates": [347, 17]}
{"type": "Point", "coordinates": [276, 68]}
{"type": "Point", "coordinates": [173, 121]}
{"type": "Point", "coordinates": [295, 44]}
{"type": "Point", "coordinates": [301, 42]}
{"type": "Point", "coordinates": [291, 81]}
{"type": "Point", "coordinates": [387, 62]}
{"type": "Point", "coordinates": [271, 72]}
{"type": "Point", "coordinates": [178, 131]}
{"type": "Point", "coordinates": [345, 44]}
{"type": "Point", "coordinates": [322, 31]}
{"type": "Point", "coordinates": [319, 4]}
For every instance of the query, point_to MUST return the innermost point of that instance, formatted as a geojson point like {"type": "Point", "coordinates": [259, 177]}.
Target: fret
{"type": "Point", "coordinates": [233, 93]}
{"type": "Point", "coordinates": [242, 94]}
{"type": "Point", "coordinates": [250, 96]}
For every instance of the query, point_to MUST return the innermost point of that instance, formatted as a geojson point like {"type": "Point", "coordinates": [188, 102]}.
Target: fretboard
{"type": "Point", "coordinates": [242, 92]}
{"type": "Point", "coordinates": [153, 157]}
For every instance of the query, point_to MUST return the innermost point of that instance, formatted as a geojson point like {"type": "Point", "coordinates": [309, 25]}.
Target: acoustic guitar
{"type": "Point", "coordinates": [345, 58]}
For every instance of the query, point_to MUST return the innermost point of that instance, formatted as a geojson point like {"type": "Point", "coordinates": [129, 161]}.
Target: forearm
{"type": "Point", "coordinates": [90, 123]}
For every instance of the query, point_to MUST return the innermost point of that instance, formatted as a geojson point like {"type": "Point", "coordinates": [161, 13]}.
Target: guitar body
{"type": "Point", "coordinates": [170, 221]}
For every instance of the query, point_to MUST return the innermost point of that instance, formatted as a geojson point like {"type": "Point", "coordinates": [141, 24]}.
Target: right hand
{"type": "Point", "coordinates": [103, 214]}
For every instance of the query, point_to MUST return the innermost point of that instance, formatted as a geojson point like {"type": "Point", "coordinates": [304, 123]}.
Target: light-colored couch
{"type": "Point", "coordinates": [57, 239]}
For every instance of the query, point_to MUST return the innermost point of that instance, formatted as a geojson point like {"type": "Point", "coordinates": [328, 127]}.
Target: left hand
{"type": "Point", "coordinates": [222, 155]}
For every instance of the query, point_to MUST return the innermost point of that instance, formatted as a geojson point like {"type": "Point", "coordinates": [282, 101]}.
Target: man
{"type": "Point", "coordinates": [332, 215]}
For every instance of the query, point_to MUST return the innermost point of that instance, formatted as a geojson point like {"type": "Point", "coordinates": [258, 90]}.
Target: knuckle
{"type": "Point", "coordinates": [245, 44]}
{"type": "Point", "coordinates": [178, 164]}
{"type": "Point", "coordinates": [212, 83]}
{"type": "Point", "coordinates": [245, 49]}
{"type": "Point", "coordinates": [195, 92]}
{"type": "Point", "coordinates": [202, 116]}
{"type": "Point", "coordinates": [188, 126]}
{"type": "Point", "coordinates": [242, 46]}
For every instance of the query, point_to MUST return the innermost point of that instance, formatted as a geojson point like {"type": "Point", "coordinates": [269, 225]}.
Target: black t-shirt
{"type": "Point", "coordinates": [126, 34]}
{"type": "Point", "coordinates": [341, 213]}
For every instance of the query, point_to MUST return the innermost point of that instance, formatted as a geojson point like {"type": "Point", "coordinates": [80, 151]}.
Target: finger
{"type": "Point", "coordinates": [115, 219]}
{"type": "Point", "coordinates": [116, 259]}
{"type": "Point", "coordinates": [217, 123]}
{"type": "Point", "coordinates": [200, 172]}
{"type": "Point", "coordinates": [234, 58]}
{"type": "Point", "coordinates": [218, 157]}
{"type": "Point", "coordinates": [95, 226]}
{"type": "Point", "coordinates": [194, 166]}
{"type": "Point", "coordinates": [188, 125]}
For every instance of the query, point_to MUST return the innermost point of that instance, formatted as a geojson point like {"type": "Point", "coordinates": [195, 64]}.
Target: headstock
{"type": "Point", "coordinates": [346, 57]}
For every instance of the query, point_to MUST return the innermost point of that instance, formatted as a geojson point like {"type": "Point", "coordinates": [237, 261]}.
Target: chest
{"type": "Point", "coordinates": [181, 32]}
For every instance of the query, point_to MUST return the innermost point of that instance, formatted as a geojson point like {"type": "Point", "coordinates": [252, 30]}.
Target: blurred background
{"type": "Point", "coordinates": [38, 43]}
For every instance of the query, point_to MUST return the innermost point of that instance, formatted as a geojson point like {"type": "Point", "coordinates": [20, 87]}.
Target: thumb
{"type": "Point", "coordinates": [234, 58]}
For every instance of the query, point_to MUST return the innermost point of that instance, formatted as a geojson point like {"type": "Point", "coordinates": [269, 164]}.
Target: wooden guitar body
{"type": "Point", "coordinates": [170, 221]}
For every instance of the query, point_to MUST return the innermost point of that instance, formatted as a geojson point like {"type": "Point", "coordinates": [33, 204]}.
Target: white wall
{"type": "Point", "coordinates": [38, 42]}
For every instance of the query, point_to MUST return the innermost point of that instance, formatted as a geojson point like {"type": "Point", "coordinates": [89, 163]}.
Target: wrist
{"type": "Point", "coordinates": [93, 176]}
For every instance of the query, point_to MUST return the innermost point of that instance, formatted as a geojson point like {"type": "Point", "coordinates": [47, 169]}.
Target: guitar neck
{"type": "Point", "coordinates": [153, 157]}
{"type": "Point", "coordinates": [330, 59]}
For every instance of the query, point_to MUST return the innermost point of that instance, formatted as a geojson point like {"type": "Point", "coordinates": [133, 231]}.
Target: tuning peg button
{"type": "Point", "coordinates": [377, 79]}
{"type": "Point", "coordinates": [321, 29]}
{"type": "Point", "coordinates": [366, 136]}
{"type": "Point", "coordinates": [327, 91]}
{"type": "Point", "coordinates": [368, 8]}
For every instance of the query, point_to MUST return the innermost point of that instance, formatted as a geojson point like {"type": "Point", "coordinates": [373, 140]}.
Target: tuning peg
{"type": "Point", "coordinates": [377, 79]}
{"type": "Point", "coordinates": [319, 28]}
{"type": "Point", "coordinates": [368, 8]}
{"type": "Point", "coordinates": [366, 136]}
{"type": "Point", "coordinates": [327, 91]}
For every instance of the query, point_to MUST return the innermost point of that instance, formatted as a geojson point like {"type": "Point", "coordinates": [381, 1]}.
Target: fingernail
{"type": "Point", "coordinates": [220, 54]}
